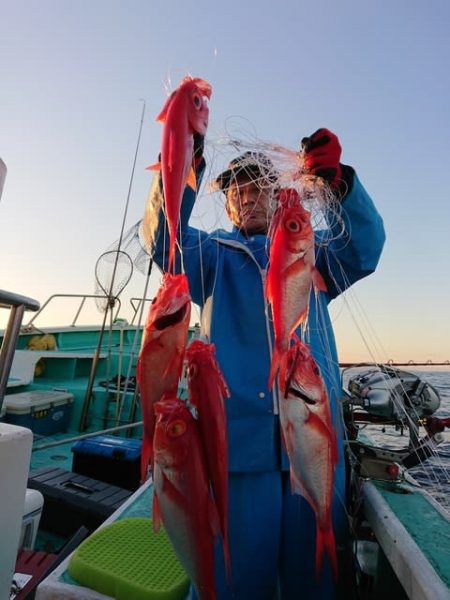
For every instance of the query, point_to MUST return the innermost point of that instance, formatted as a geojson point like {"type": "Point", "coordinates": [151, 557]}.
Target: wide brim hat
{"type": "Point", "coordinates": [256, 166]}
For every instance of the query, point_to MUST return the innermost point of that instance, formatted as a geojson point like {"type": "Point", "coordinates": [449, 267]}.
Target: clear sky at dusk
{"type": "Point", "coordinates": [72, 77]}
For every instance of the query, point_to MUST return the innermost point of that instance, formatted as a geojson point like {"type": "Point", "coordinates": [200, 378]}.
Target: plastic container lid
{"type": "Point", "coordinates": [24, 402]}
{"type": "Point", "coordinates": [110, 446]}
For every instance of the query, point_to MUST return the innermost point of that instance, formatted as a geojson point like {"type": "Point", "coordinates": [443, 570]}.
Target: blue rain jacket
{"type": "Point", "coordinates": [227, 272]}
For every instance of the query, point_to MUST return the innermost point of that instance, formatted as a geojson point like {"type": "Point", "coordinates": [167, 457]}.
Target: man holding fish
{"type": "Point", "coordinates": [287, 531]}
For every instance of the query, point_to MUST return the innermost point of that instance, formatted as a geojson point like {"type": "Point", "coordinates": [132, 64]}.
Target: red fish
{"type": "Point", "coordinates": [160, 359]}
{"type": "Point", "coordinates": [207, 390]}
{"type": "Point", "coordinates": [310, 442]}
{"type": "Point", "coordinates": [182, 499]}
{"type": "Point", "coordinates": [291, 273]}
{"type": "Point", "coordinates": [185, 112]}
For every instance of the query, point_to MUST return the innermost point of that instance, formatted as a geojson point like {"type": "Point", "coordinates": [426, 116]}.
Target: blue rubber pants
{"type": "Point", "coordinates": [272, 542]}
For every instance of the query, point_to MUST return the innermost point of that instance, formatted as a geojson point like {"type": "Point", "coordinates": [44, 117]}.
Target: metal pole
{"type": "Point", "coordinates": [9, 347]}
{"type": "Point", "coordinates": [88, 394]}
{"type": "Point", "coordinates": [87, 435]}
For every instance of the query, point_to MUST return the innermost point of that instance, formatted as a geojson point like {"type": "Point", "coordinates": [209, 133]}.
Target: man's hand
{"type": "Point", "coordinates": [322, 153]}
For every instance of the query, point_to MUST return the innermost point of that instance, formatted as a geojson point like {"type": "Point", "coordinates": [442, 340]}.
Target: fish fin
{"type": "Point", "coordinates": [173, 493]}
{"type": "Point", "coordinates": [138, 370]}
{"type": "Point", "coordinates": [171, 256]}
{"type": "Point", "coordinates": [161, 118]}
{"type": "Point", "coordinates": [191, 179]}
{"type": "Point", "coordinates": [276, 359]}
{"type": "Point", "coordinates": [297, 487]}
{"type": "Point", "coordinates": [276, 218]}
{"type": "Point", "coordinates": [156, 513]}
{"type": "Point", "coordinates": [213, 517]}
{"type": "Point", "coordinates": [226, 557]}
{"type": "Point", "coordinates": [268, 290]}
{"type": "Point", "coordinates": [318, 424]}
{"type": "Point", "coordinates": [224, 390]}
{"type": "Point", "coordinates": [325, 542]}
{"type": "Point", "coordinates": [146, 455]}
{"type": "Point", "coordinates": [334, 448]}
{"type": "Point", "coordinates": [319, 282]}
{"type": "Point", "coordinates": [174, 364]}
{"type": "Point", "coordinates": [154, 167]}
{"type": "Point", "coordinates": [295, 267]}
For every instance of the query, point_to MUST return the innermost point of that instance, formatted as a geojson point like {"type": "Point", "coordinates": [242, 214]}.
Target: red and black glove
{"type": "Point", "coordinates": [322, 154]}
{"type": "Point", "coordinates": [199, 146]}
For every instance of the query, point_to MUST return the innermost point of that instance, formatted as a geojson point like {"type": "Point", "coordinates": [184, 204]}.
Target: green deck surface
{"type": "Point", "coordinates": [428, 527]}
{"type": "Point", "coordinates": [59, 456]}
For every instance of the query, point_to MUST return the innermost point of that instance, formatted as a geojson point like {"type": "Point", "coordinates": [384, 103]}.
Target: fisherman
{"type": "Point", "coordinates": [272, 532]}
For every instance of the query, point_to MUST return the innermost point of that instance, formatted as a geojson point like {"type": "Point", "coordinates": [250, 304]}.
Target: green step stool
{"type": "Point", "coordinates": [128, 561]}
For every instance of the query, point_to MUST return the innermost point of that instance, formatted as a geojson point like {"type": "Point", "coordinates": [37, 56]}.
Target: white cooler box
{"type": "Point", "coordinates": [43, 411]}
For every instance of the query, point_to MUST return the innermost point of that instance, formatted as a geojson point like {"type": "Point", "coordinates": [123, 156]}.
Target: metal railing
{"type": "Point", "coordinates": [18, 305]}
{"type": "Point", "coordinates": [136, 304]}
{"type": "Point", "coordinates": [83, 297]}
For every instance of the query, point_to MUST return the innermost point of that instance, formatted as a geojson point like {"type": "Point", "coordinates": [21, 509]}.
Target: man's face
{"type": "Point", "coordinates": [248, 205]}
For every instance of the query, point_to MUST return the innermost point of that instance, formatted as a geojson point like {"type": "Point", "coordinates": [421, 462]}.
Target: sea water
{"type": "Point", "coordinates": [434, 473]}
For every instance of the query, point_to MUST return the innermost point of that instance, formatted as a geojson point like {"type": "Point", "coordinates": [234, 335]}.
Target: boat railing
{"type": "Point", "coordinates": [136, 304]}
{"type": "Point", "coordinates": [18, 305]}
{"type": "Point", "coordinates": [113, 301]}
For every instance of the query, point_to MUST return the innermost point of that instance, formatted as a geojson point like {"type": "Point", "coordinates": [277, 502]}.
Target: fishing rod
{"type": "Point", "coordinates": [111, 298]}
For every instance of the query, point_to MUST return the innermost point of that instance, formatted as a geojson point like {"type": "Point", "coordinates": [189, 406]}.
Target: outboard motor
{"type": "Point", "coordinates": [393, 394]}
{"type": "Point", "coordinates": [387, 396]}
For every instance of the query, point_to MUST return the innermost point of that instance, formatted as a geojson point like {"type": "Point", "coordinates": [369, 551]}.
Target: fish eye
{"type": "Point", "coordinates": [197, 100]}
{"type": "Point", "coordinates": [292, 225]}
{"type": "Point", "coordinates": [176, 428]}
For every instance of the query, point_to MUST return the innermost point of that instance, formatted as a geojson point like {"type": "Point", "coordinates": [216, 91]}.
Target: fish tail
{"type": "Point", "coordinates": [325, 543]}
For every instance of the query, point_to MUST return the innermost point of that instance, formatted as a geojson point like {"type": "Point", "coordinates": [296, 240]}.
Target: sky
{"type": "Point", "coordinates": [73, 78]}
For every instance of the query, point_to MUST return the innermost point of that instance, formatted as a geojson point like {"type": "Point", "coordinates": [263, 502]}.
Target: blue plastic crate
{"type": "Point", "coordinates": [109, 458]}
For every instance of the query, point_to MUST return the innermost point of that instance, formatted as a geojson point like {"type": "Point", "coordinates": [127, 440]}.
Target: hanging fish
{"type": "Point", "coordinates": [207, 390]}
{"type": "Point", "coordinates": [291, 272]}
{"type": "Point", "coordinates": [182, 499]}
{"type": "Point", "coordinates": [160, 359]}
{"type": "Point", "coordinates": [310, 442]}
{"type": "Point", "coordinates": [185, 112]}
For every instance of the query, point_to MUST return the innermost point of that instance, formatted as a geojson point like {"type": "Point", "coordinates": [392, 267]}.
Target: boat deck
{"type": "Point", "coordinates": [417, 549]}
{"type": "Point", "coordinates": [414, 535]}
{"type": "Point", "coordinates": [59, 456]}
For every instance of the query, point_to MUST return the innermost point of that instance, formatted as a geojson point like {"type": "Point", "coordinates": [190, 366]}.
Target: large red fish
{"type": "Point", "coordinates": [207, 390]}
{"type": "Point", "coordinates": [310, 442]}
{"type": "Point", "coordinates": [291, 273]}
{"type": "Point", "coordinates": [185, 112]}
{"type": "Point", "coordinates": [182, 499]}
{"type": "Point", "coordinates": [160, 359]}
